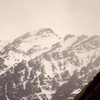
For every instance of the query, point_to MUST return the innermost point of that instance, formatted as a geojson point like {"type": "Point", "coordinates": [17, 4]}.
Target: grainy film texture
{"type": "Point", "coordinates": [49, 49]}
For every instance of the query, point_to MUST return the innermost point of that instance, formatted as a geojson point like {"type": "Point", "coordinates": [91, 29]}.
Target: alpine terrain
{"type": "Point", "coordinates": [41, 65]}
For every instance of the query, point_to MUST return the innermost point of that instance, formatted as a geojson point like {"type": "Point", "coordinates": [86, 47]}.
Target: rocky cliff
{"type": "Point", "coordinates": [43, 66]}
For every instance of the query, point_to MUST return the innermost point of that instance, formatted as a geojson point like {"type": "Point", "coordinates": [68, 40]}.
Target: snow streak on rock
{"type": "Point", "coordinates": [43, 66]}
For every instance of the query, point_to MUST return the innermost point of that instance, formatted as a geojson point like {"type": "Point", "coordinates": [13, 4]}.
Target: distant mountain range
{"type": "Point", "coordinates": [43, 66]}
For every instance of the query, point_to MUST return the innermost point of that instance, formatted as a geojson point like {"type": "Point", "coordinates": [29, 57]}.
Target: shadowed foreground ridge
{"type": "Point", "coordinates": [91, 91]}
{"type": "Point", "coordinates": [42, 66]}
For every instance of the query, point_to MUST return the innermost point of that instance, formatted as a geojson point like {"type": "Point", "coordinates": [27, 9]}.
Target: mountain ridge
{"type": "Point", "coordinates": [55, 70]}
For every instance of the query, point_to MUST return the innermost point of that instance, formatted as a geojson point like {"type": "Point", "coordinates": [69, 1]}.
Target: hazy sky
{"type": "Point", "coordinates": [63, 16]}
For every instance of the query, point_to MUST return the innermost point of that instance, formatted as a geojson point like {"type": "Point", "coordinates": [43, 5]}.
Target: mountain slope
{"type": "Point", "coordinates": [42, 66]}
{"type": "Point", "coordinates": [90, 91]}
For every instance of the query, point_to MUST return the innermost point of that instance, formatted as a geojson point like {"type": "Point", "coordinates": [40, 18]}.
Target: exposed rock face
{"type": "Point", "coordinates": [42, 66]}
{"type": "Point", "coordinates": [91, 91]}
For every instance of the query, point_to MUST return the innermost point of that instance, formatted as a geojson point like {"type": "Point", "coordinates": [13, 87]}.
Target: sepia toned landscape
{"type": "Point", "coordinates": [43, 66]}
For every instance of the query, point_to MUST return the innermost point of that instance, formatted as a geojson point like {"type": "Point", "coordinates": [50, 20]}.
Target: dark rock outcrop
{"type": "Point", "coordinates": [91, 91]}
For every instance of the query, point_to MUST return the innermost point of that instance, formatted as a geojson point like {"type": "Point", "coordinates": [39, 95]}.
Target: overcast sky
{"type": "Point", "coordinates": [63, 16]}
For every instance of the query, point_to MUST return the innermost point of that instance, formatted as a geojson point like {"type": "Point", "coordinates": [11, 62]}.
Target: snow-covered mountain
{"type": "Point", "coordinates": [3, 44]}
{"type": "Point", "coordinates": [43, 66]}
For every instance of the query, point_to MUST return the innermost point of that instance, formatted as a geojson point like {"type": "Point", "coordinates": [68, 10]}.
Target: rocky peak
{"type": "Point", "coordinates": [45, 32]}
{"type": "Point", "coordinates": [40, 66]}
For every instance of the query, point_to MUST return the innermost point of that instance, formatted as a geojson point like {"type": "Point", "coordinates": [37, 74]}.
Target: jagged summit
{"type": "Point", "coordinates": [45, 32]}
{"type": "Point", "coordinates": [33, 40]}
{"type": "Point", "coordinates": [68, 36]}
{"type": "Point", "coordinates": [26, 35]}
